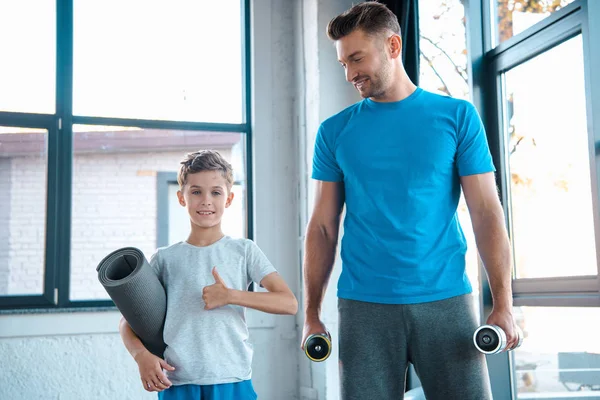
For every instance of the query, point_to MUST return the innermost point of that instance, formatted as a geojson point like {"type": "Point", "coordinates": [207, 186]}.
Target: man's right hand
{"type": "Point", "coordinates": [151, 371]}
{"type": "Point", "coordinates": [312, 326]}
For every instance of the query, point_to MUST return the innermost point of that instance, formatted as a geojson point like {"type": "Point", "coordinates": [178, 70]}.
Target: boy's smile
{"type": "Point", "coordinates": [205, 195]}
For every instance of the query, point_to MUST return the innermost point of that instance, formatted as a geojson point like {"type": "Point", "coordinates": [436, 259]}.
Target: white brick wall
{"type": "Point", "coordinates": [5, 167]}
{"type": "Point", "coordinates": [27, 225]}
{"type": "Point", "coordinates": [114, 206]}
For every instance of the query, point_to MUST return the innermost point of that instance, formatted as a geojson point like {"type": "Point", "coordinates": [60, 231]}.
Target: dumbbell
{"type": "Point", "coordinates": [491, 339]}
{"type": "Point", "coordinates": [317, 347]}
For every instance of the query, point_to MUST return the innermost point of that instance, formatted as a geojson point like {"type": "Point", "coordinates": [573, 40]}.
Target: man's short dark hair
{"type": "Point", "coordinates": [371, 17]}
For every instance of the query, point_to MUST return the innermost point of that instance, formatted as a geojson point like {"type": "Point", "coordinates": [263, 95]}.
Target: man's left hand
{"type": "Point", "coordinates": [504, 319]}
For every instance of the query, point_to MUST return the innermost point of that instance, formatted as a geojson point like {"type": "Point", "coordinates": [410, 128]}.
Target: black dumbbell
{"type": "Point", "coordinates": [317, 347]}
{"type": "Point", "coordinates": [491, 339]}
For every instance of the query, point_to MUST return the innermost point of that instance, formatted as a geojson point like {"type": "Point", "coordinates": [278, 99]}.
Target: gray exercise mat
{"type": "Point", "coordinates": [135, 289]}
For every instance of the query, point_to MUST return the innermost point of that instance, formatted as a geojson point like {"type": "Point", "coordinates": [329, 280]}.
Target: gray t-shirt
{"type": "Point", "coordinates": [207, 347]}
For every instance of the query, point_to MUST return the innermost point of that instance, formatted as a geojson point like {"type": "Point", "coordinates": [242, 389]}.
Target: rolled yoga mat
{"type": "Point", "coordinates": [135, 289]}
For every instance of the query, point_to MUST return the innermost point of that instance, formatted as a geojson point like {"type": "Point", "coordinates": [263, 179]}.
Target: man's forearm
{"type": "Point", "coordinates": [132, 343]}
{"type": "Point", "coordinates": [494, 248]}
{"type": "Point", "coordinates": [319, 257]}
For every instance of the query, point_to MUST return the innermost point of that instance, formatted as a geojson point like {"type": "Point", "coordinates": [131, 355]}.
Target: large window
{"type": "Point", "coordinates": [536, 69]}
{"type": "Point", "coordinates": [100, 102]}
{"type": "Point", "coordinates": [549, 165]}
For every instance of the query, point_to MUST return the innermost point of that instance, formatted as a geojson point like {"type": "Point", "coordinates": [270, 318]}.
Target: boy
{"type": "Point", "coordinates": [208, 356]}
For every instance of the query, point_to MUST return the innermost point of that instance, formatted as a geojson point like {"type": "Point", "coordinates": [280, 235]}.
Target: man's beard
{"type": "Point", "coordinates": [375, 89]}
{"type": "Point", "coordinates": [377, 84]}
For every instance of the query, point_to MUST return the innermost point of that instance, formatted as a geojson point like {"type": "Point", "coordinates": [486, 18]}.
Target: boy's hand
{"type": "Point", "coordinates": [151, 371]}
{"type": "Point", "coordinates": [216, 295]}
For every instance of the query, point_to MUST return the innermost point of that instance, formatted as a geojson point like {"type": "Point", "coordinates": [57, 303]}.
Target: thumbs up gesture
{"type": "Point", "coordinates": [217, 294]}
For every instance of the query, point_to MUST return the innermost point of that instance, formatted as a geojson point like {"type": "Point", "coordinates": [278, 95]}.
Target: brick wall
{"type": "Point", "coordinates": [27, 225]}
{"type": "Point", "coordinates": [5, 204]}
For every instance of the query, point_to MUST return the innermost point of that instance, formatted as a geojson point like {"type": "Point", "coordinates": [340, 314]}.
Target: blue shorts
{"type": "Point", "coordinates": [226, 391]}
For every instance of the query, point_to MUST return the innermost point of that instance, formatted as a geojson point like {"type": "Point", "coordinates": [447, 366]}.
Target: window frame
{"type": "Point", "coordinates": [487, 67]}
{"type": "Point", "coordinates": [57, 271]}
{"type": "Point", "coordinates": [562, 26]}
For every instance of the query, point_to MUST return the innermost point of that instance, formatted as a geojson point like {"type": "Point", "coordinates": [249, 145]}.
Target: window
{"type": "Point", "coordinates": [556, 358]}
{"type": "Point", "coordinates": [537, 77]}
{"type": "Point", "coordinates": [80, 169]}
{"type": "Point", "coordinates": [515, 16]}
{"type": "Point", "coordinates": [549, 165]}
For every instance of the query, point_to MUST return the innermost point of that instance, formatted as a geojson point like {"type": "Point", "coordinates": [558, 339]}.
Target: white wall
{"type": "Point", "coordinates": [4, 222]}
{"type": "Point", "coordinates": [276, 186]}
{"type": "Point", "coordinates": [323, 92]}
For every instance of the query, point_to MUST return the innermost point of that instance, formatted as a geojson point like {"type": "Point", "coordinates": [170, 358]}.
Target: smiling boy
{"type": "Point", "coordinates": [208, 355]}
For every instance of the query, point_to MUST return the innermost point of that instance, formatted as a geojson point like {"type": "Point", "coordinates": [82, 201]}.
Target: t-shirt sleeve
{"type": "Point", "coordinates": [257, 264]}
{"type": "Point", "coordinates": [156, 265]}
{"type": "Point", "coordinates": [473, 153]}
{"type": "Point", "coordinates": [325, 166]}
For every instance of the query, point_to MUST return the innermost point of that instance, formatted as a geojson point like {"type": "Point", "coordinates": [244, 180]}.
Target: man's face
{"type": "Point", "coordinates": [366, 62]}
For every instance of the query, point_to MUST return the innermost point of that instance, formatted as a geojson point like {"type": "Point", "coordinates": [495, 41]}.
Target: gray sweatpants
{"type": "Point", "coordinates": [377, 341]}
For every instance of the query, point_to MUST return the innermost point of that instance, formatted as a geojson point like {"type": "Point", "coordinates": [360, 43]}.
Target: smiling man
{"type": "Point", "coordinates": [398, 160]}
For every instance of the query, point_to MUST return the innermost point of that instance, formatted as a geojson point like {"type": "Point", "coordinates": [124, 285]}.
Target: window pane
{"type": "Point", "coordinates": [23, 172]}
{"type": "Point", "coordinates": [153, 60]}
{"type": "Point", "coordinates": [115, 192]}
{"type": "Point", "coordinates": [560, 356]}
{"type": "Point", "coordinates": [28, 49]}
{"type": "Point", "coordinates": [515, 16]}
{"type": "Point", "coordinates": [551, 196]}
{"type": "Point", "coordinates": [443, 47]}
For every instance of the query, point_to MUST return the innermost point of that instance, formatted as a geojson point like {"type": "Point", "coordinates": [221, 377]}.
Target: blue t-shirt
{"type": "Point", "coordinates": [400, 163]}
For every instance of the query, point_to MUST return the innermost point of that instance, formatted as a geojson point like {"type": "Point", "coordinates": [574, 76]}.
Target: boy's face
{"type": "Point", "coordinates": [205, 196]}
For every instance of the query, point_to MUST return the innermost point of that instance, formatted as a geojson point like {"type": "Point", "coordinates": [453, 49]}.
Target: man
{"type": "Point", "coordinates": [398, 160]}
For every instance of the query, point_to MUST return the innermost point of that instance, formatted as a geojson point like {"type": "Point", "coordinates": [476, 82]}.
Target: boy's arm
{"type": "Point", "coordinates": [132, 343]}
{"type": "Point", "coordinates": [278, 300]}
{"type": "Point", "coordinates": [150, 366]}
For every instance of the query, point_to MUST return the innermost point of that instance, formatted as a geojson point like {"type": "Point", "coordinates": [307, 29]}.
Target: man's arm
{"type": "Point", "coordinates": [493, 245]}
{"type": "Point", "coordinates": [320, 247]}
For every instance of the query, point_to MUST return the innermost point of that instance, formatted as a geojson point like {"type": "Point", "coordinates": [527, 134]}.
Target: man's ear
{"type": "Point", "coordinates": [395, 43]}
{"type": "Point", "coordinates": [229, 199]}
{"type": "Point", "coordinates": [180, 198]}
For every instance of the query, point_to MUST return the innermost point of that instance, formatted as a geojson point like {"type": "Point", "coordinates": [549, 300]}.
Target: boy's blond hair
{"type": "Point", "coordinates": [204, 160]}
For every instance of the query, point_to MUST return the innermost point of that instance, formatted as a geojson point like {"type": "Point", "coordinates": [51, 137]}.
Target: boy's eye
{"type": "Point", "coordinates": [196, 192]}
{"type": "Point", "coordinates": [217, 193]}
